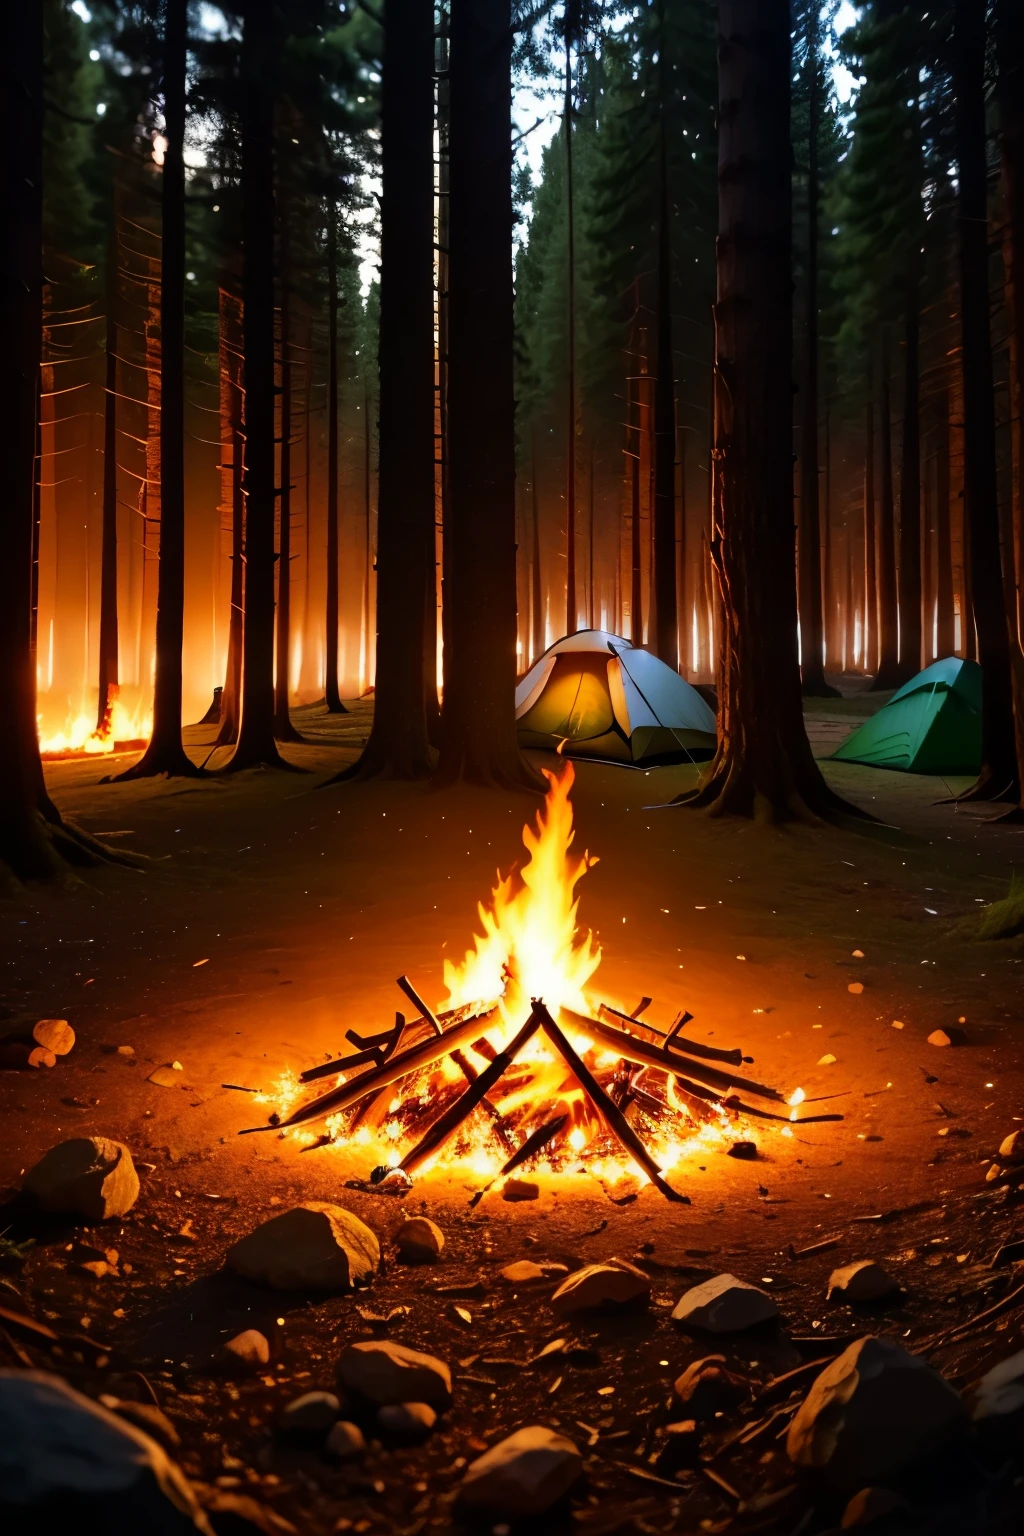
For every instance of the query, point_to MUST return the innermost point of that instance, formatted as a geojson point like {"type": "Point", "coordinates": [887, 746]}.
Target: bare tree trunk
{"type": "Point", "coordinates": [945, 641]}
{"type": "Point", "coordinates": [590, 543]}
{"type": "Point", "coordinates": [399, 745]}
{"type": "Point", "coordinates": [331, 694]}
{"type": "Point", "coordinates": [479, 743]}
{"type": "Point", "coordinates": [536, 585]}
{"type": "Point", "coordinates": [571, 609]}
{"type": "Point", "coordinates": [255, 744]}
{"type": "Point", "coordinates": [910, 494]}
{"type": "Point", "coordinates": [764, 763]}
{"type": "Point", "coordinates": [165, 753]}
{"type": "Point", "coordinates": [999, 778]}
{"type": "Point", "coordinates": [230, 327]}
{"type": "Point", "coordinates": [870, 581]}
{"type": "Point", "coordinates": [681, 605]}
{"type": "Point", "coordinates": [108, 658]}
{"type": "Point", "coordinates": [887, 675]}
{"type": "Point", "coordinates": [283, 728]}
{"type": "Point", "coordinates": [665, 637]}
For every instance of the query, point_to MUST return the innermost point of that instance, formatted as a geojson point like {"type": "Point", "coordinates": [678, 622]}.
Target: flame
{"type": "Point", "coordinates": [81, 735]}
{"type": "Point", "coordinates": [796, 1098]}
{"type": "Point", "coordinates": [530, 946]}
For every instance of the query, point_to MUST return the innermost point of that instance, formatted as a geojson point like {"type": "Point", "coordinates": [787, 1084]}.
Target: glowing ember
{"type": "Point", "coordinates": [81, 735]}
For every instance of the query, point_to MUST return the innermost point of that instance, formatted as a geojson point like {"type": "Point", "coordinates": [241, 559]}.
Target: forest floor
{"type": "Point", "coordinates": [276, 913]}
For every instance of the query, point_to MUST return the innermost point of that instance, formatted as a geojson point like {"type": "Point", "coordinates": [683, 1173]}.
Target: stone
{"type": "Point", "coordinates": [862, 1281]}
{"type": "Point", "coordinates": [724, 1305]}
{"type": "Point", "coordinates": [145, 1416]}
{"type": "Point", "coordinates": [526, 1272]}
{"type": "Point", "coordinates": [237, 1514]}
{"type": "Point", "coordinates": [1011, 1148]}
{"type": "Point", "coordinates": [614, 1283]}
{"type": "Point", "coordinates": [167, 1076]}
{"type": "Point", "coordinates": [88, 1176]}
{"type": "Point", "coordinates": [345, 1439]}
{"type": "Point", "coordinates": [872, 1413]}
{"type": "Point", "coordinates": [419, 1241]}
{"type": "Point", "coordinates": [872, 1504]}
{"type": "Point", "coordinates": [313, 1247]}
{"type": "Point", "coordinates": [520, 1189]}
{"type": "Point", "coordinates": [523, 1474]}
{"type": "Point", "coordinates": [950, 1036]}
{"type": "Point", "coordinates": [126, 1050]}
{"type": "Point", "coordinates": [744, 1151]}
{"type": "Point", "coordinates": [69, 1463]}
{"type": "Point", "coordinates": [309, 1416]}
{"type": "Point", "coordinates": [409, 1421]}
{"type": "Point", "coordinates": [40, 1056]}
{"type": "Point", "coordinates": [249, 1348]}
{"type": "Point", "coordinates": [54, 1035]}
{"type": "Point", "coordinates": [1000, 1391]}
{"type": "Point", "coordinates": [387, 1373]}
{"type": "Point", "coordinates": [681, 1448]}
{"type": "Point", "coordinates": [708, 1387]}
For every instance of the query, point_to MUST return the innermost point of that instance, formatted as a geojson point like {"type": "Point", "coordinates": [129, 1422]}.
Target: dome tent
{"type": "Point", "coordinates": [608, 700]}
{"type": "Point", "coordinates": [930, 725]}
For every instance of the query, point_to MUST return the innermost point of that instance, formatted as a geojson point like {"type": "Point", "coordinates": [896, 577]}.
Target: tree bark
{"type": "Point", "coordinates": [230, 325]}
{"type": "Point", "coordinates": [571, 608]}
{"type": "Point", "coordinates": [999, 778]}
{"type": "Point", "coordinates": [479, 742]}
{"type": "Point", "coordinates": [763, 764]}
{"type": "Point", "coordinates": [255, 745]}
{"type": "Point", "coordinates": [870, 541]}
{"type": "Point", "coordinates": [887, 675]}
{"type": "Point", "coordinates": [812, 638]}
{"type": "Point", "coordinates": [910, 490]}
{"type": "Point", "coordinates": [399, 745]}
{"type": "Point", "coordinates": [536, 585]}
{"type": "Point", "coordinates": [331, 695]}
{"type": "Point", "coordinates": [284, 730]}
{"type": "Point", "coordinates": [663, 577]}
{"type": "Point", "coordinates": [945, 628]}
{"type": "Point", "coordinates": [165, 753]}
{"type": "Point", "coordinates": [108, 657]}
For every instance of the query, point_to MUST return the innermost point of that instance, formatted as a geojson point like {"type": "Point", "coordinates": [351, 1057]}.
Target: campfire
{"type": "Point", "coordinates": [120, 731]}
{"type": "Point", "coordinates": [522, 1067]}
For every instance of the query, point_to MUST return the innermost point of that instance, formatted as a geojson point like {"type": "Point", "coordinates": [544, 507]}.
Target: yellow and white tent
{"type": "Point", "coordinates": [608, 700]}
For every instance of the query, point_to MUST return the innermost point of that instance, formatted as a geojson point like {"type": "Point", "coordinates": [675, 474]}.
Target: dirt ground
{"type": "Point", "coordinates": [275, 914]}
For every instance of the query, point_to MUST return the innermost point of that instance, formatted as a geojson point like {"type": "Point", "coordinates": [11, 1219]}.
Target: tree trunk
{"type": "Point", "coordinates": [999, 778]}
{"type": "Point", "coordinates": [255, 744]}
{"type": "Point", "coordinates": [812, 637]}
{"type": "Point", "coordinates": [681, 605]}
{"type": "Point", "coordinates": [763, 764]}
{"type": "Point", "coordinates": [887, 675]}
{"type": "Point", "coordinates": [636, 592]}
{"type": "Point", "coordinates": [910, 493]}
{"type": "Point", "coordinates": [571, 608]}
{"type": "Point", "coordinates": [870, 581]}
{"type": "Point", "coordinates": [230, 326]}
{"type": "Point", "coordinates": [283, 728]}
{"type": "Point", "coordinates": [663, 577]}
{"type": "Point", "coordinates": [591, 610]}
{"type": "Point", "coordinates": [108, 658]}
{"type": "Point", "coordinates": [479, 742]}
{"type": "Point", "coordinates": [165, 753]}
{"type": "Point", "coordinates": [536, 585]}
{"type": "Point", "coordinates": [399, 745]}
{"type": "Point", "coordinates": [945, 617]}
{"type": "Point", "coordinates": [332, 697]}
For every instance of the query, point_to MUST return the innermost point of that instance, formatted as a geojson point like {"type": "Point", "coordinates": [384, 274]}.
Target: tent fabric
{"type": "Point", "coordinates": [930, 725]}
{"type": "Point", "coordinates": [603, 698]}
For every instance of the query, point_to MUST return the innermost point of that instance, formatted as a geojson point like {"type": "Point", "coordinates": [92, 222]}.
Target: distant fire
{"type": "Point", "coordinates": [80, 735]}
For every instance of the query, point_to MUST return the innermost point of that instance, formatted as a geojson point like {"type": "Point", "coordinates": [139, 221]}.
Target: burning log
{"type": "Point", "coordinates": [412, 1060]}
{"type": "Point", "coordinates": [630, 1022]}
{"type": "Point", "coordinates": [466, 1067]}
{"type": "Point", "coordinates": [633, 1048]}
{"type": "Point", "coordinates": [533, 1144]}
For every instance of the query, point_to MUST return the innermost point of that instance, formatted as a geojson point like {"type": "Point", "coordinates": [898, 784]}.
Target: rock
{"type": "Point", "coordinates": [313, 1247]}
{"type": "Point", "coordinates": [856, 987]}
{"type": "Point", "coordinates": [1001, 1390]}
{"type": "Point", "coordinates": [520, 1189]}
{"type": "Point", "coordinates": [745, 1151]}
{"type": "Point", "coordinates": [387, 1373]}
{"type": "Point", "coordinates": [708, 1387]}
{"type": "Point", "coordinates": [126, 1050]}
{"type": "Point", "coordinates": [522, 1475]}
{"type": "Point", "coordinates": [236, 1514]}
{"type": "Point", "coordinates": [409, 1421]}
{"type": "Point", "coordinates": [863, 1281]}
{"type": "Point", "coordinates": [345, 1439]}
{"type": "Point", "coordinates": [870, 1414]}
{"type": "Point", "coordinates": [681, 1449]}
{"type": "Point", "coordinates": [724, 1305]}
{"type": "Point", "coordinates": [249, 1348]}
{"type": "Point", "coordinates": [951, 1036]}
{"type": "Point", "coordinates": [67, 1463]}
{"type": "Point", "coordinates": [526, 1272]}
{"type": "Point", "coordinates": [1011, 1148]}
{"type": "Point", "coordinates": [40, 1056]}
{"type": "Point", "coordinates": [309, 1416]}
{"type": "Point", "coordinates": [828, 1060]}
{"type": "Point", "coordinates": [419, 1241]}
{"type": "Point", "coordinates": [145, 1416]}
{"type": "Point", "coordinates": [89, 1177]}
{"type": "Point", "coordinates": [54, 1035]}
{"type": "Point", "coordinates": [614, 1283]}
{"type": "Point", "coordinates": [871, 1504]}
{"type": "Point", "coordinates": [167, 1076]}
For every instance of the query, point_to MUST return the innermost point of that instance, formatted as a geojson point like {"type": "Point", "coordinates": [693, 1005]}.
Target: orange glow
{"type": "Point", "coordinates": [79, 734]}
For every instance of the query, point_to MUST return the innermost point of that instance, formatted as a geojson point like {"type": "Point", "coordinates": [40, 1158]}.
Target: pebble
{"type": "Point", "coordinates": [54, 1035]}
{"type": "Point", "coordinates": [88, 1176]}
{"type": "Point", "coordinates": [724, 1305]}
{"type": "Point", "coordinates": [524, 1474]}
{"type": "Point", "coordinates": [708, 1387]}
{"type": "Point", "coordinates": [951, 1036]}
{"type": "Point", "coordinates": [310, 1415]}
{"type": "Point", "coordinates": [419, 1241]}
{"type": "Point", "coordinates": [520, 1189]}
{"type": "Point", "coordinates": [526, 1272]}
{"type": "Point", "coordinates": [863, 1281]}
{"type": "Point", "coordinates": [1011, 1148]}
{"type": "Point", "coordinates": [345, 1439]}
{"type": "Point", "coordinates": [745, 1151]}
{"type": "Point", "coordinates": [313, 1247]}
{"type": "Point", "coordinates": [249, 1348]}
{"type": "Point", "coordinates": [409, 1420]}
{"type": "Point", "coordinates": [387, 1373]}
{"type": "Point", "coordinates": [614, 1283]}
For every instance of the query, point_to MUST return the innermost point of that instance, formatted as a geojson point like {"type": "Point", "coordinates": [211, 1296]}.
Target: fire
{"type": "Point", "coordinates": [79, 733]}
{"type": "Point", "coordinates": [530, 946]}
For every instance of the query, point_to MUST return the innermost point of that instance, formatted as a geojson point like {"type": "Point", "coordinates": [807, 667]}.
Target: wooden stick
{"type": "Point", "coordinates": [692, 1047]}
{"type": "Point", "coordinates": [412, 1060]}
{"type": "Point", "coordinates": [466, 1067]}
{"type": "Point", "coordinates": [346, 1063]}
{"type": "Point", "coordinates": [609, 1111]}
{"type": "Point", "coordinates": [417, 1002]}
{"type": "Point", "coordinates": [634, 1049]}
{"type": "Point", "coordinates": [533, 1143]}
{"type": "Point", "coordinates": [454, 1116]}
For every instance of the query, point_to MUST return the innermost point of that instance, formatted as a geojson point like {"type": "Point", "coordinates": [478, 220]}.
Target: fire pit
{"type": "Point", "coordinates": [540, 1075]}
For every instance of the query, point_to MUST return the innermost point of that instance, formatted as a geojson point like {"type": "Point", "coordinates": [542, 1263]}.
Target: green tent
{"type": "Point", "coordinates": [594, 695]}
{"type": "Point", "coordinates": [930, 725]}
